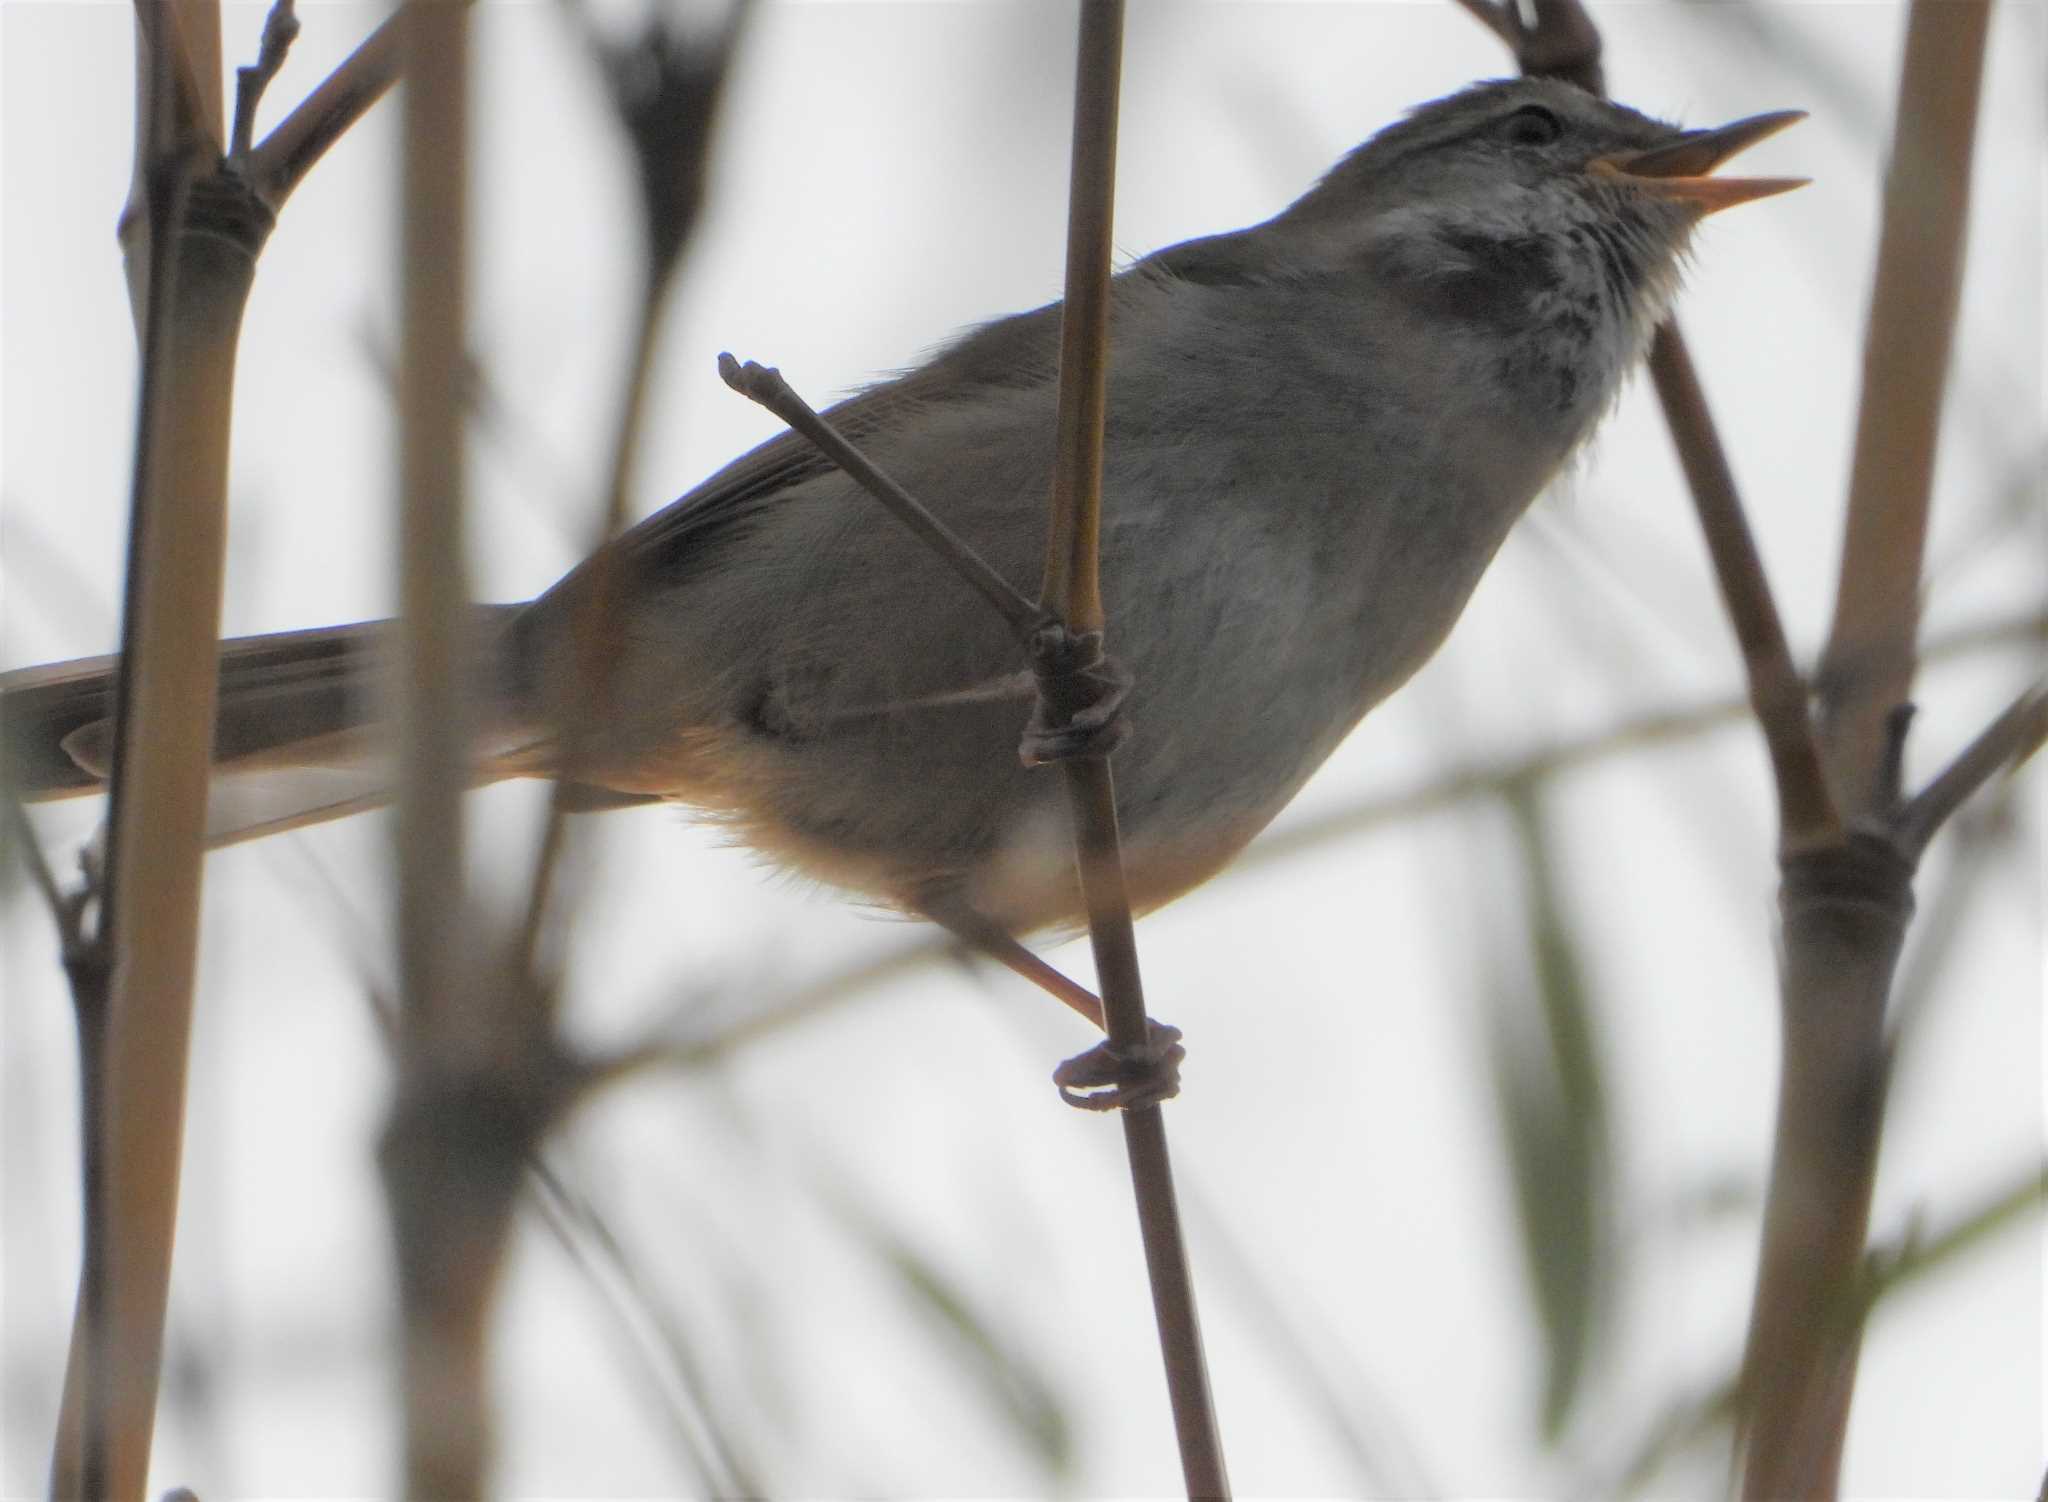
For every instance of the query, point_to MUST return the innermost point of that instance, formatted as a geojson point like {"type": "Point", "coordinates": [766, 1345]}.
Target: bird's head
{"type": "Point", "coordinates": [1532, 207]}
{"type": "Point", "coordinates": [1536, 156]}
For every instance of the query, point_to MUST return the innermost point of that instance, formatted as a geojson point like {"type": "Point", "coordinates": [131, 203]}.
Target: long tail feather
{"type": "Point", "coordinates": [297, 699]}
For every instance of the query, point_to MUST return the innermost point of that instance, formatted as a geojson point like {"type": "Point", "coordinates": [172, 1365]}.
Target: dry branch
{"type": "Point", "coordinates": [1847, 892]}
{"type": "Point", "coordinates": [200, 230]}
{"type": "Point", "coordinates": [1867, 669]}
{"type": "Point", "coordinates": [280, 162]}
{"type": "Point", "coordinates": [665, 89]}
{"type": "Point", "coordinates": [459, 1130]}
{"type": "Point", "coordinates": [1072, 591]}
{"type": "Point", "coordinates": [1806, 810]}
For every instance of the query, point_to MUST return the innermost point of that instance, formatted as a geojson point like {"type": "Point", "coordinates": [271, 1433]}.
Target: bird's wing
{"type": "Point", "coordinates": [1012, 351]}
{"type": "Point", "coordinates": [1021, 350]}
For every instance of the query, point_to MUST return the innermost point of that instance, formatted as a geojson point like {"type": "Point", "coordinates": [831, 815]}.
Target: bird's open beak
{"type": "Point", "coordinates": [1679, 169]}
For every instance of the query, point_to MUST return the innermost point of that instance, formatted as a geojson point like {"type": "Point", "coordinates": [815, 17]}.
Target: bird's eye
{"type": "Point", "coordinates": [1532, 125]}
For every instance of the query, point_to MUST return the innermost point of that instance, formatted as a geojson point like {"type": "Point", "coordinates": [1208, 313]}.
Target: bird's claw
{"type": "Point", "coordinates": [1107, 1078]}
{"type": "Point", "coordinates": [1081, 693]}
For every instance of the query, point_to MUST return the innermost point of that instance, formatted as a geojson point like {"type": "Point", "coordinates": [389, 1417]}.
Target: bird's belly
{"type": "Point", "coordinates": [934, 805]}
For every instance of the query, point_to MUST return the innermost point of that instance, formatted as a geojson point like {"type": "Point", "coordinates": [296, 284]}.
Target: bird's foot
{"type": "Point", "coordinates": [1108, 1078]}
{"type": "Point", "coordinates": [1081, 695]}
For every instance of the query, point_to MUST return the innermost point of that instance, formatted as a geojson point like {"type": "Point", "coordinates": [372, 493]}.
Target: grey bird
{"type": "Point", "coordinates": [1319, 431]}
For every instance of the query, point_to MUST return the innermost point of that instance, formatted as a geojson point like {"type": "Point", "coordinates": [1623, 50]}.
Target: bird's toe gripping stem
{"type": "Point", "coordinates": [1108, 1078]}
{"type": "Point", "coordinates": [1081, 693]}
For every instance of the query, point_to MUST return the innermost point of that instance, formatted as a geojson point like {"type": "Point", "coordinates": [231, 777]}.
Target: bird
{"type": "Point", "coordinates": [1318, 432]}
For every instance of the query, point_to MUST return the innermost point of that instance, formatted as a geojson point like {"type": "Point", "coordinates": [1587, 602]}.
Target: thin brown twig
{"type": "Point", "coordinates": [593, 629]}
{"type": "Point", "coordinates": [1978, 846]}
{"type": "Point", "coordinates": [665, 90]}
{"type": "Point", "coordinates": [764, 385]}
{"type": "Point", "coordinates": [1916, 1255]}
{"type": "Point", "coordinates": [1072, 588]}
{"type": "Point", "coordinates": [1495, 18]}
{"type": "Point", "coordinates": [1072, 592]}
{"type": "Point", "coordinates": [2006, 742]}
{"type": "Point", "coordinates": [280, 161]}
{"type": "Point", "coordinates": [280, 30]}
{"type": "Point", "coordinates": [30, 849]}
{"type": "Point", "coordinates": [1806, 810]}
{"type": "Point", "coordinates": [1564, 43]}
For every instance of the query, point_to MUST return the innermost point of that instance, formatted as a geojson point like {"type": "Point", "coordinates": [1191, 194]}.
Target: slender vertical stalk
{"type": "Point", "coordinates": [1845, 907]}
{"type": "Point", "coordinates": [450, 1134]}
{"type": "Point", "coordinates": [1073, 584]}
{"type": "Point", "coordinates": [1867, 668]}
{"type": "Point", "coordinates": [1072, 591]}
{"type": "Point", "coordinates": [665, 90]}
{"type": "Point", "coordinates": [1848, 842]}
{"type": "Point", "coordinates": [433, 727]}
{"type": "Point", "coordinates": [204, 230]}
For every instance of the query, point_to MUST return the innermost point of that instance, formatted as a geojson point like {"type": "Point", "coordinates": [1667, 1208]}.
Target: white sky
{"type": "Point", "coordinates": [889, 172]}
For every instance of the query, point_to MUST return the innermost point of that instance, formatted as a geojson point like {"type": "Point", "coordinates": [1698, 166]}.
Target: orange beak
{"type": "Point", "coordinates": [1679, 169]}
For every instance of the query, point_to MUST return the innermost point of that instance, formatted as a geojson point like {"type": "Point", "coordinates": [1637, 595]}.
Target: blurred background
{"type": "Point", "coordinates": [1482, 1034]}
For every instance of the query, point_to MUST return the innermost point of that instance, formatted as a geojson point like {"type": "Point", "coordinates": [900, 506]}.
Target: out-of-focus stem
{"type": "Point", "coordinates": [450, 1132]}
{"type": "Point", "coordinates": [134, 986]}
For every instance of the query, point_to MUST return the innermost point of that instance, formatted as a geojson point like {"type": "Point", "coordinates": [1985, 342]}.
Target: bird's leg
{"type": "Point", "coordinates": [1104, 1078]}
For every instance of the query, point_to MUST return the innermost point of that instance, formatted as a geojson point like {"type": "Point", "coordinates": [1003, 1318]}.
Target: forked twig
{"type": "Point", "coordinates": [1867, 667]}
{"type": "Point", "coordinates": [764, 385]}
{"type": "Point", "coordinates": [278, 163]}
{"type": "Point", "coordinates": [2005, 743]}
{"type": "Point", "coordinates": [1848, 847]}
{"type": "Point", "coordinates": [280, 30]}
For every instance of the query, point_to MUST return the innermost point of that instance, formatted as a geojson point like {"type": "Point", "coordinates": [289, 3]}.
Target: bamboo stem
{"type": "Point", "coordinates": [450, 1131]}
{"type": "Point", "coordinates": [1072, 592]}
{"type": "Point", "coordinates": [1867, 668]}
{"type": "Point", "coordinates": [134, 987]}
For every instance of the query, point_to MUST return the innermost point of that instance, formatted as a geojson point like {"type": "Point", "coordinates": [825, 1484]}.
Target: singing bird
{"type": "Point", "coordinates": [1319, 431]}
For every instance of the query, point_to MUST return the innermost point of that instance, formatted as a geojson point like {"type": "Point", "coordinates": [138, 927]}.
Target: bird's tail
{"type": "Point", "coordinates": [306, 703]}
